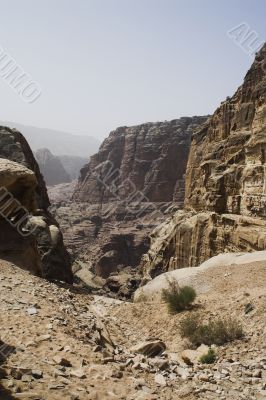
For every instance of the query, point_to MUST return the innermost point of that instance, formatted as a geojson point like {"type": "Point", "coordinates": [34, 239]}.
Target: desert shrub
{"type": "Point", "coordinates": [209, 357]}
{"type": "Point", "coordinates": [178, 299]}
{"type": "Point", "coordinates": [189, 325]}
{"type": "Point", "coordinates": [217, 331]}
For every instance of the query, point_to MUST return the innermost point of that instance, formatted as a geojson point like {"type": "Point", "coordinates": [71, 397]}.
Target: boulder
{"type": "Point", "coordinates": [150, 348]}
{"type": "Point", "coordinates": [192, 357]}
{"type": "Point", "coordinates": [36, 243]}
{"type": "Point", "coordinates": [152, 291]}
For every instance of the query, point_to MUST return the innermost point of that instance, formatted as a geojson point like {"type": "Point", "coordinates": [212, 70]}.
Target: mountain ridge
{"type": "Point", "coordinates": [58, 142]}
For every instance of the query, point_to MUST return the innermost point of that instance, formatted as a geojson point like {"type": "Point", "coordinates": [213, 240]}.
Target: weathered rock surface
{"type": "Point", "coordinates": [191, 357]}
{"type": "Point", "coordinates": [150, 348]}
{"type": "Point", "coordinates": [225, 202]}
{"type": "Point", "coordinates": [195, 277]}
{"type": "Point", "coordinates": [128, 187]}
{"type": "Point", "coordinates": [61, 193]}
{"type": "Point", "coordinates": [51, 168]}
{"type": "Point", "coordinates": [104, 245]}
{"type": "Point", "coordinates": [226, 168]}
{"type": "Point", "coordinates": [42, 251]}
{"type": "Point", "coordinates": [150, 158]}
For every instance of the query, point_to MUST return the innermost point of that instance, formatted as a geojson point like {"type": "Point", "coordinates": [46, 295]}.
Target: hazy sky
{"type": "Point", "coordinates": [106, 63]}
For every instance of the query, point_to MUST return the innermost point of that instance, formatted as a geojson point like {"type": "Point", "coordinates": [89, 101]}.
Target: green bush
{"type": "Point", "coordinates": [217, 332]}
{"type": "Point", "coordinates": [209, 357]}
{"type": "Point", "coordinates": [178, 299]}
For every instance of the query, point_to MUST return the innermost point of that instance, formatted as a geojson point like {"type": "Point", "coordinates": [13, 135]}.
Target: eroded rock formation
{"type": "Point", "coordinates": [149, 159]}
{"type": "Point", "coordinates": [225, 202]}
{"type": "Point", "coordinates": [128, 187]}
{"type": "Point", "coordinates": [42, 250]}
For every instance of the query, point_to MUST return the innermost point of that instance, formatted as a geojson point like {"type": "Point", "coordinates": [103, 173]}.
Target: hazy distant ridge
{"type": "Point", "coordinates": [59, 143]}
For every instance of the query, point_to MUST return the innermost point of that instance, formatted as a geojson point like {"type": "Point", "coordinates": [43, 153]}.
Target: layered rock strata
{"type": "Point", "coordinates": [147, 160]}
{"type": "Point", "coordinates": [225, 199]}
{"type": "Point", "coordinates": [128, 187]}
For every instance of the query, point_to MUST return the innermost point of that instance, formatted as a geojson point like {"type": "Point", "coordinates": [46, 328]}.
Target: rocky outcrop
{"type": "Point", "coordinates": [227, 163]}
{"type": "Point", "coordinates": [225, 202]}
{"type": "Point", "coordinates": [196, 277]}
{"type": "Point", "coordinates": [105, 245]}
{"type": "Point", "coordinates": [127, 188]}
{"type": "Point", "coordinates": [20, 182]}
{"type": "Point", "coordinates": [140, 163]}
{"type": "Point", "coordinates": [30, 236]}
{"type": "Point", "coordinates": [51, 168]}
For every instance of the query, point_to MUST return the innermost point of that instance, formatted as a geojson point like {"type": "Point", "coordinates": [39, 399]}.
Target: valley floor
{"type": "Point", "coordinates": [59, 342]}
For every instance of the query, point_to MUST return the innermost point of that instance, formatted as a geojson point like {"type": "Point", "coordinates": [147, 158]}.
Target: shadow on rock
{"type": "Point", "coordinates": [5, 394]}
{"type": "Point", "coordinates": [5, 351]}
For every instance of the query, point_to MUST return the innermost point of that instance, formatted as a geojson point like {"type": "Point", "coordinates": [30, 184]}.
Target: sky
{"type": "Point", "coordinates": [101, 64]}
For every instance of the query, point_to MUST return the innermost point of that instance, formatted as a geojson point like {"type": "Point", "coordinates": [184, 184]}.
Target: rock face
{"type": "Point", "coordinates": [103, 244]}
{"type": "Point", "coordinates": [123, 193]}
{"type": "Point", "coordinates": [227, 164]}
{"type": "Point", "coordinates": [147, 162]}
{"type": "Point", "coordinates": [196, 277]}
{"type": "Point", "coordinates": [225, 202]}
{"type": "Point", "coordinates": [30, 236]}
{"type": "Point", "coordinates": [51, 168]}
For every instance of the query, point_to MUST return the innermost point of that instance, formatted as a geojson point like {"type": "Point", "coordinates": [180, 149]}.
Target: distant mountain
{"type": "Point", "coordinates": [73, 164]}
{"type": "Point", "coordinates": [59, 143]}
{"type": "Point", "coordinates": [51, 168]}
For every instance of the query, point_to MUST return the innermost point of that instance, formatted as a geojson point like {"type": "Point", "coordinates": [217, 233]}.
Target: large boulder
{"type": "Point", "coordinates": [194, 277]}
{"type": "Point", "coordinates": [34, 241]}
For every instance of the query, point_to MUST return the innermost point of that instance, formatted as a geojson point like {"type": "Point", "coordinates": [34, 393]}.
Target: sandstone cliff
{"type": "Point", "coordinates": [149, 159]}
{"type": "Point", "coordinates": [127, 188]}
{"type": "Point", "coordinates": [225, 198]}
{"type": "Point", "coordinates": [42, 252]}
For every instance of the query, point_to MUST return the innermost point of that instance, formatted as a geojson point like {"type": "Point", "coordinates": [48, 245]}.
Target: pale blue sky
{"type": "Point", "coordinates": [107, 63]}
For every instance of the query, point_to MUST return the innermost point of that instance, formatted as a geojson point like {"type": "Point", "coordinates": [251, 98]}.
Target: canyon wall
{"type": "Point", "coordinates": [149, 159]}
{"type": "Point", "coordinates": [127, 188]}
{"type": "Point", "coordinates": [225, 200]}
{"type": "Point", "coordinates": [38, 244]}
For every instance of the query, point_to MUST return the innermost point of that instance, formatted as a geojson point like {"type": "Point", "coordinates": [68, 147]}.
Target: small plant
{"type": "Point", "coordinates": [217, 332]}
{"type": "Point", "coordinates": [178, 299]}
{"type": "Point", "coordinates": [208, 358]}
{"type": "Point", "coordinates": [188, 327]}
